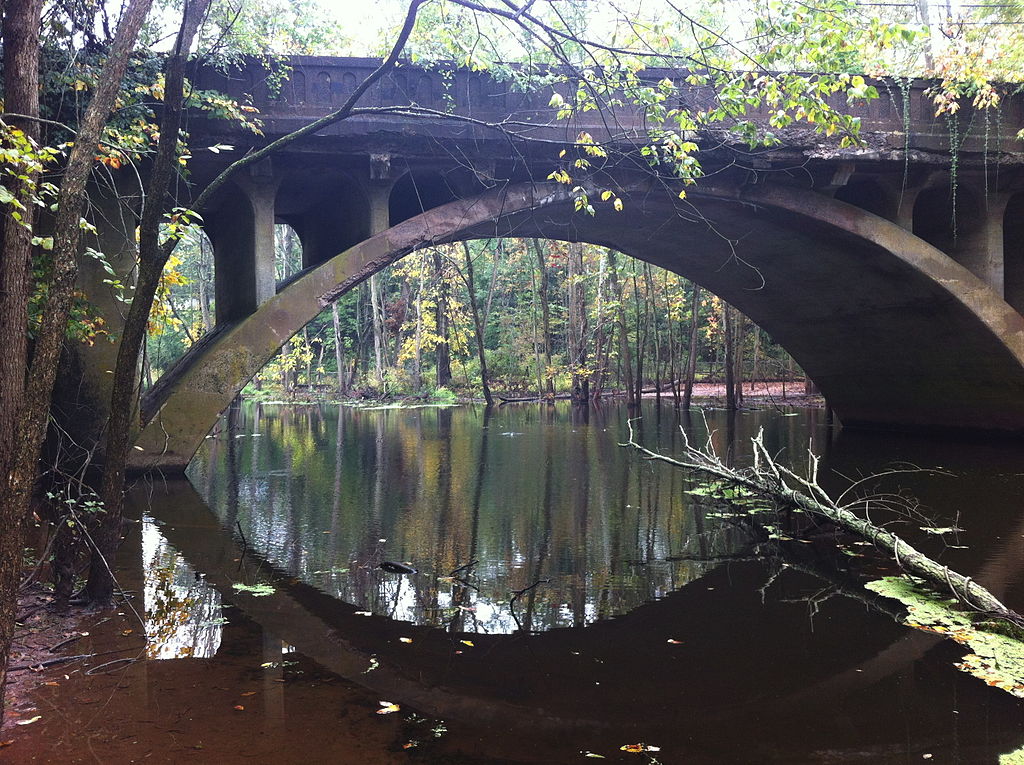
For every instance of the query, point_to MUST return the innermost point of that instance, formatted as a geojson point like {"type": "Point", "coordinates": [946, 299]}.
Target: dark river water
{"type": "Point", "coordinates": [570, 599]}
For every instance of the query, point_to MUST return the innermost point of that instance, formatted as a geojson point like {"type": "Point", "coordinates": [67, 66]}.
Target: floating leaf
{"type": "Point", "coordinates": [256, 590]}
{"type": "Point", "coordinates": [638, 748]}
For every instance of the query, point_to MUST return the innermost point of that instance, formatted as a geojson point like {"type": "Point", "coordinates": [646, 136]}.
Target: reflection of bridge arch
{"type": "Point", "coordinates": [895, 333]}
{"type": "Point", "coordinates": [607, 684]}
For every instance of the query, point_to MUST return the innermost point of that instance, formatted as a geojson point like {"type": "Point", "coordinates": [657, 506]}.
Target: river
{"type": "Point", "coordinates": [569, 598]}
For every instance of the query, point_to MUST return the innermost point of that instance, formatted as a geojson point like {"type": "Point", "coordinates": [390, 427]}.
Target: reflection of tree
{"type": "Point", "coordinates": [525, 495]}
{"type": "Point", "coordinates": [183, 614]}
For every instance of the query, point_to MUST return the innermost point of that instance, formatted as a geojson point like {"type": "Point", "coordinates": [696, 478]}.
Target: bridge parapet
{"type": "Point", "coordinates": [316, 85]}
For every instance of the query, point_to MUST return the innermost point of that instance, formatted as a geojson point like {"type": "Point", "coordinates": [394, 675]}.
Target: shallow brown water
{"type": "Point", "coordinates": [650, 622]}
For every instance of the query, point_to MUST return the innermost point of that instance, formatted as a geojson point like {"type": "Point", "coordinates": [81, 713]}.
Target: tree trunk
{"type": "Point", "coordinates": [376, 313]}
{"type": "Point", "coordinates": [729, 363]}
{"type": "Point", "coordinates": [477, 326]}
{"type": "Point", "coordinates": [153, 255]}
{"type": "Point", "coordinates": [21, 96]}
{"type": "Point", "coordinates": [443, 350]}
{"type": "Point", "coordinates": [739, 338]}
{"type": "Point", "coordinates": [624, 354]}
{"type": "Point", "coordinates": [418, 339]}
{"type": "Point", "coordinates": [204, 280]}
{"type": "Point", "coordinates": [576, 328]}
{"type": "Point", "coordinates": [691, 359]}
{"type": "Point", "coordinates": [536, 339]}
{"type": "Point", "coordinates": [545, 308]}
{"type": "Point", "coordinates": [339, 350]}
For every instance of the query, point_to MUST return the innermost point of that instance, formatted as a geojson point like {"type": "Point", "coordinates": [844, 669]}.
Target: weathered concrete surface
{"type": "Point", "coordinates": [896, 333]}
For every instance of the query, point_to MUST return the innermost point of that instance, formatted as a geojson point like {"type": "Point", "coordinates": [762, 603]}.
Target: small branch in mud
{"type": "Point", "coordinates": [62, 643]}
{"type": "Point", "coordinates": [779, 486]}
{"type": "Point", "coordinates": [65, 659]}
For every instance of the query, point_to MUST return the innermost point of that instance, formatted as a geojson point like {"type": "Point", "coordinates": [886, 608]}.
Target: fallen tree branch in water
{"type": "Point", "coordinates": [775, 484]}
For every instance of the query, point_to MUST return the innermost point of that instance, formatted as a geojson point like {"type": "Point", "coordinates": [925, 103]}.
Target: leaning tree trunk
{"type": "Point", "coordinates": [153, 255]}
{"type": "Point", "coordinates": [771, 482]}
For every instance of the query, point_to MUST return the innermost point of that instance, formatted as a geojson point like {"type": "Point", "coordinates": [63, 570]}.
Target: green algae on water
{"type": "Point", "coordinates": [995, 658]}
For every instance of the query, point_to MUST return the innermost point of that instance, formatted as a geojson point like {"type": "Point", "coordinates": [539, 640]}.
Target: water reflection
{"type": "Point", "coordinates": [182, 614]}
{"type": "Point", "coordinates": [732, 668]}
{"type": "Point", "coordinates": [541, 501]}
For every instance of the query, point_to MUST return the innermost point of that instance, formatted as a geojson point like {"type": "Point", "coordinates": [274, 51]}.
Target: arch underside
{"type": "Point", "coordinates": [895, 333]}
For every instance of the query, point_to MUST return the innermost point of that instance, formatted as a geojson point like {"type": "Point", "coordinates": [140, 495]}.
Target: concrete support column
{"type": "Point", "coordinates": [261, 188]}
{"type": "Point", "coordinates": [380, 214]}
{"type": "Point", "coordinates": [242, 232]}
{"type": "Point", "coordinates": [984, 251]}
{"type": "Point", "coordinates": [905, 201]}
{"type": "Point", "coordinates": [979, 248]}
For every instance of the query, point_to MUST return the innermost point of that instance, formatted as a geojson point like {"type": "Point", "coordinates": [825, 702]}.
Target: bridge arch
{"type": "Point", "coordinates": [895, 333]}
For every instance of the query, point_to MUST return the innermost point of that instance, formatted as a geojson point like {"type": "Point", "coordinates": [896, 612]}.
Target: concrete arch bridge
{"type": "Point", "coordinates": [901, 305]}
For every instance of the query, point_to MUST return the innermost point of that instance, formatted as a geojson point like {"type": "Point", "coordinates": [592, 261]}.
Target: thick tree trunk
{"type": "Point", "coordinates": [21, 94]}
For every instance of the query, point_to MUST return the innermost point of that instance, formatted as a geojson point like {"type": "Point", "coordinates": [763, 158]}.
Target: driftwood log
{"type": "Point", "coordinates": [776, 484]}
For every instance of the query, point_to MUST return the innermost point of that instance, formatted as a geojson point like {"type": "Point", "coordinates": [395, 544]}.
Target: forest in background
{"type": "Point", "coordinates": [505, 318]}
